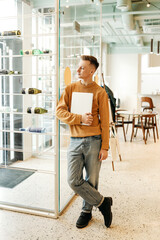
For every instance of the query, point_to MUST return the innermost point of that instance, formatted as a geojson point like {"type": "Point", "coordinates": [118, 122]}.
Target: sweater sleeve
{"type": "Point", "coordinates": [63, 113]}
{"type": "Point", "coordinates": [104, 119]}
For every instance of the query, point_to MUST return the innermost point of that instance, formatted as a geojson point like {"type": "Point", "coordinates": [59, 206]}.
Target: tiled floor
{"type": "Point", "coordinates": [135, 188]}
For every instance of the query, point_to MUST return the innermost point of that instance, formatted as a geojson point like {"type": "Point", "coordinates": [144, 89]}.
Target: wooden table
{"type": "Point", "coordinates": [138, 114]}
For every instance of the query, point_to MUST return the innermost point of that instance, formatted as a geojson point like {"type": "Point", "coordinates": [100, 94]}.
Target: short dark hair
{"type": "Point", "coordinates": [91, 59]}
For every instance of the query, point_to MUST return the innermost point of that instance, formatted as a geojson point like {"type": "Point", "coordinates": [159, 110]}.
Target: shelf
{"type": "Point", "coordinates": [27, 132]}
{"type": "Point", "coordinates": [25, 75]}
{"type": "Point", "coordinates": [31, 55]}
{"type": "Point", "coordinates": [28, 36]}
{"type": "Point", "coordinates": [11, 37]}
{"type": "Point", "coordinates": [21, 150]}
{"type": "Point", "coordinates": [29, 114]}
{"type": "Point", "coordinates": [29, 95]}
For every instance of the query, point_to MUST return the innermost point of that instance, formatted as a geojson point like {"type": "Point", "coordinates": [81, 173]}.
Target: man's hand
{"type": "Point", "coordinates": [103, 154]}
{"type": "Point", "coordinates": [87, 118]}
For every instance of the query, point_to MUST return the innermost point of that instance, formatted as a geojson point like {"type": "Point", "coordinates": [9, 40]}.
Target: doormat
{"type": "Point", "coordinates": [9, 178]}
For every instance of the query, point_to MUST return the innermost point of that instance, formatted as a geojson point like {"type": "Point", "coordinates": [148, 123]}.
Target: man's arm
{"type": "Point", "coordinates": [103, 154]}
{"type": "Point", "coordinates": [63, 113]}
{"type": "Point", "coordinates": [104, 118]}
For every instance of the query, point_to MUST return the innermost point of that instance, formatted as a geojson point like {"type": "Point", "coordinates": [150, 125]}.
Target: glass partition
{"type": "Point", "coordinates": [79, 34]}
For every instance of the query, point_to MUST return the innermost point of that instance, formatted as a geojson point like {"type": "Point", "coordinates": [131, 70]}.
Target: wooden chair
{"type": "Point", "coordinates": [155, 123]}
{"type": "Point", "coordinates": [126, 121]}
{"type": "Point", "coordinates": [144, 122]}
{"type": "Point", "coordinates": [119, 122]}
{"type": "Point", "coordinates": [148, 107]}
{"type": "Point", "coordinates": [147, 103]}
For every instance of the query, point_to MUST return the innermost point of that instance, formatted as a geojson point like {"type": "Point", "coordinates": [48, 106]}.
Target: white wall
{"type": "Point", "coordinates": [124, 72]}
{"type": "Point", "coordinates": [150, 75]}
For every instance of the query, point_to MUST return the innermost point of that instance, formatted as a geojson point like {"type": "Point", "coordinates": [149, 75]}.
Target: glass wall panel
{"type": "Point", "coordinates": [79, 34]}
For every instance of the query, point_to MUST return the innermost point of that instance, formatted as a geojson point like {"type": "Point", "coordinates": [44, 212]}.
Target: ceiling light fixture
{"type": "Point", "coordinates": [151, 4]}
{"type": "Point", "coordinates": [151, 51]}
{"type": "Point", "coordinates": [148, 4]}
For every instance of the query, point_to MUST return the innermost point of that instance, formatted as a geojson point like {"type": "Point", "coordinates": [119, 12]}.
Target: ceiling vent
{"type": "Point", "coordinates": [122, 4]}
{"type": "Point", "coordinates": [151, 29]}
{"type": "Point", "coordinates": [155, 21]}
{"type": "Point", "coordinates": [151, 26]}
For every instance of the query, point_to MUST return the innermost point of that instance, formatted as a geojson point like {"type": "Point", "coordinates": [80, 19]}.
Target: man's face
{"type": "Point", "coordinates": [85, 70]}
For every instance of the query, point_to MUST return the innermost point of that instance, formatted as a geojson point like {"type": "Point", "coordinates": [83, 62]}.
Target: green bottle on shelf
{"type": "Point", "coordinates": [34, 91]}
{"type": "Point", "coordinates": [36, 52]}
{"type": "Point", "coordinates": [31, 52]}
{"type": "Point", "coordinates": [11, 33]}
{"type": "Point", "coordinates": [30, 91]}
{"type": "Point", "coordinates": [47, 51]}
{"type": "Point", "coordinates": [26, 52]}
{"type": "Point", "coordinates": [24, 90]}
{"type": "Point", "coordinates": [39, 110]}
{"type": "Point", "coordinates": [36, 110]}
{"type": "Point", "coordinates": [3, 71]}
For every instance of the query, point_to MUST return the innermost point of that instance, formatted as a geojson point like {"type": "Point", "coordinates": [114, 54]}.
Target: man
{"type": "Point", "coordinates": [89, 141]}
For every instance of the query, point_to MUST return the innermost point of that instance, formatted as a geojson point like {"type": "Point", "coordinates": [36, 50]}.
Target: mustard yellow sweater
{"type": "Point", "coordinates": [100, 112]}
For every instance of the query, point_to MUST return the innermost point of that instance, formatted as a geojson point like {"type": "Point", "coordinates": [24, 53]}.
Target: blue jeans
{"type": "Point", "coordinates": [83, 153]}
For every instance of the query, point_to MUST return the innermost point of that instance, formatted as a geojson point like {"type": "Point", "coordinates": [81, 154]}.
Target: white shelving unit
{"type": "Point", "coordinates": [39, 30]}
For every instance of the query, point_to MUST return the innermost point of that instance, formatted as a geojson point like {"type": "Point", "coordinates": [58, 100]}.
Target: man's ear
{"type": "Point", "coordinates": [92, 70]}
